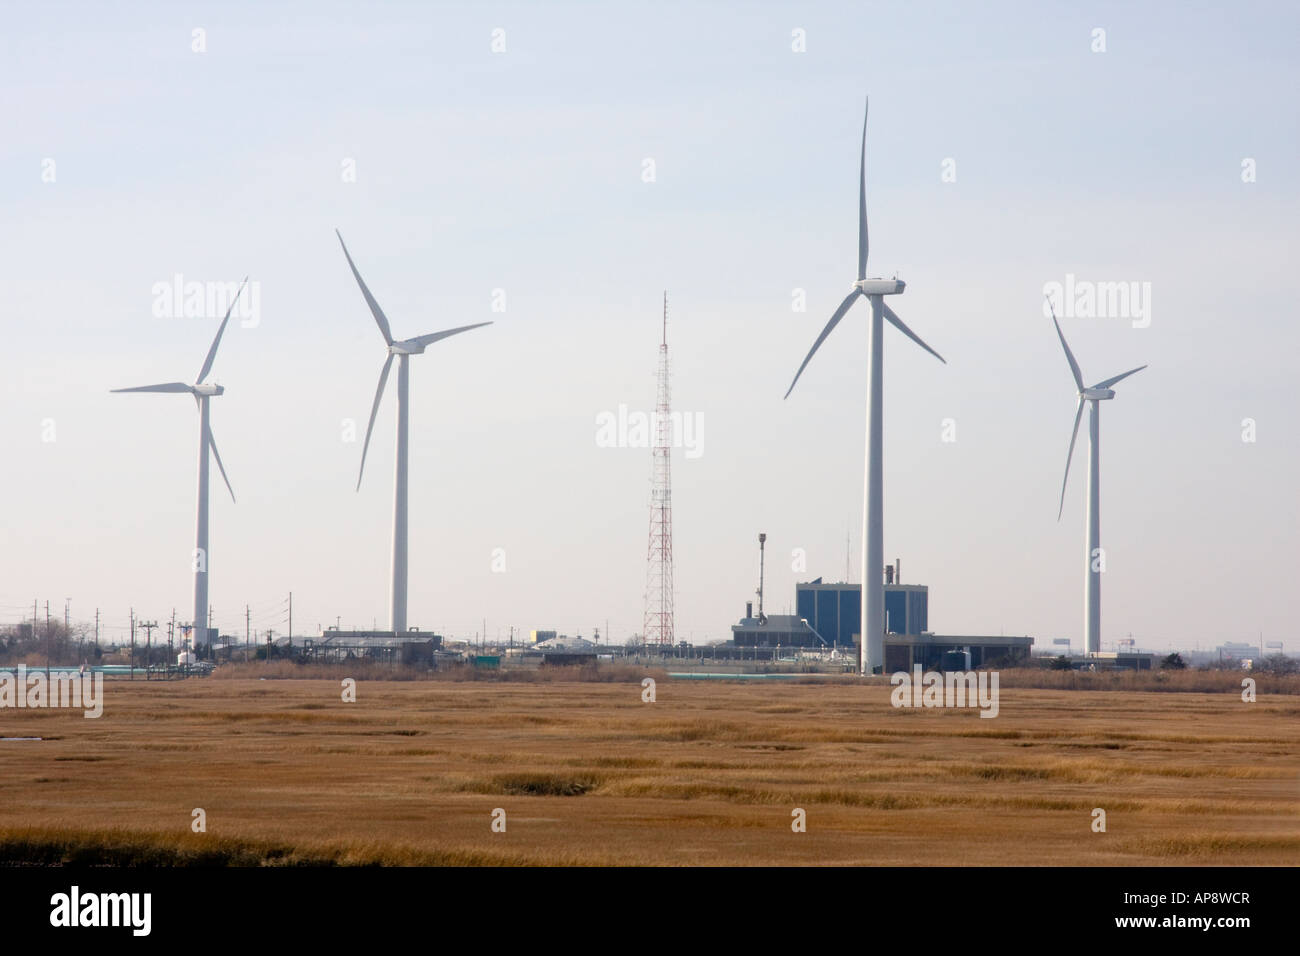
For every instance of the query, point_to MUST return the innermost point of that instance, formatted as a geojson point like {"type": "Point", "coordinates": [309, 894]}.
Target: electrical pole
{"type": "Point", "coordinates": [148, 644]}
{"type": "Point", "coordinates": [291, 619]}
{"type": "Point", "coordinates": [132, 643]}
{"type": "Point", "coordinates": [48, 641]}
{"type": "Point", "coordinates": [247, 620]}
{"type": "Point", "coordinates": [96, 628]}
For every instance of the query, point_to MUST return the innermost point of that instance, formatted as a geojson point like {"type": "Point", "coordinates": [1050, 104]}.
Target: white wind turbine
{"type": "Point", "coordinates": [403, 350]}
{"type": "Point", "coordinates": [872, 646]}
{"type": "Point", "coordinates": [202, 558]}
{"type": "Point", "coordinates": [1094, 563]}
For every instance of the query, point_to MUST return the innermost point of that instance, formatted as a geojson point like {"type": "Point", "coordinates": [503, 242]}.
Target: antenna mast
{"type": "Point", "coordinates": [659, 630]}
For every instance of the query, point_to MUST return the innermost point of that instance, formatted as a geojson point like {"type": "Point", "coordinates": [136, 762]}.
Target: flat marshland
{"type": "Point", "coordinates": [411, 773]}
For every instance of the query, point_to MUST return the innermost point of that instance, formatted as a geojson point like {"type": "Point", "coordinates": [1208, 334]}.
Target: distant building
{"type": "Point", "coordinates": [835, 610]}
{"type": "Point", "coordinates": [829, 616]}
{"type": "Point", "coordinates": [564, 650]}
{"type": "Point", "coordinates": [536, 637]}
{"type": "Point", "coordinates": [408, 647]}
{"type": "Point", "coordinates": [775, 630]}
{"type": "Point", "coordinates": [941, 651]}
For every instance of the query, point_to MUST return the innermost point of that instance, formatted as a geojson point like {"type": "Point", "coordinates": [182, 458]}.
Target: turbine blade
{"type": "Point", "coordinates": [1118, 378]}
{"type": "Point", "coordinates": [165, 387]}
{"type": "Point", "coordinates": [212, 443]}
{"type": "Point", "coordinates": [380, 319]}
{"type": "Point", "coordinates": [897, 323]}
{"type": "Point", "coordinates": [1078, 414]}
{"type": "Point", "coordinates": [212, 352]}
{"type": "Point", "coordinates": [835, 320]}
{"type": "Point", "coordinates": [1074, 366]}
{"type": "Point", "coordinates": [432, 337]}
{"type": "Point", "coordinates": [862, 199]}
{"type": "Point", "coordinates": [374, 410]}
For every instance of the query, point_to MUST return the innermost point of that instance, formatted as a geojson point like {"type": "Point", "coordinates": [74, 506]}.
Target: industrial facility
{"type": "Point", "coordinates": [829, 614]}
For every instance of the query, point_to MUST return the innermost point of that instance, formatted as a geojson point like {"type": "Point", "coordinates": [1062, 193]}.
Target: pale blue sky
{"type": "Point", "coordinates": [522, 171]}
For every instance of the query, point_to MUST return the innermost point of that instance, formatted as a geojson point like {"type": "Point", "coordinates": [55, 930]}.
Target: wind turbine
{"type": "Point", "coordinates": [201, 558]}
{"type": "Point", "coordinates": [872, 638]}
{"type": "Point", "coordinates": [402, 350]}
{"type": "Point", "coordinates": [1094, 562]}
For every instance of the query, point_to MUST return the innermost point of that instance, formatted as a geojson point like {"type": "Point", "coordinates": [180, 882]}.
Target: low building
{"type": "Point", "coordinates": [932, 651]}
{"type": "Point", "coordinates": [775, 630]}
{"type": "Point", "coordinates": [563, 650]}
{"type": "Point", "coordinates": [408, 647]}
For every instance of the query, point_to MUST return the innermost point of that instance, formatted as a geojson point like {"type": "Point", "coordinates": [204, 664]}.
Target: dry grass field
{"type": "Point", "coordinates": [589, 774]}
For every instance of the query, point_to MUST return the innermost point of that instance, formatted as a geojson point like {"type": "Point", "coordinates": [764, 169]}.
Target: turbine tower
{"type": "Point", "coordinates": [201, 558]}
{"type": "Point", "coordinates": [659, 551]}
{"type": "Point", "coordinates": [872, 632]}
{"type": "Point", "coordinates": [402, 350]}
{"type": "Point", "coordinates": [1094, 560]}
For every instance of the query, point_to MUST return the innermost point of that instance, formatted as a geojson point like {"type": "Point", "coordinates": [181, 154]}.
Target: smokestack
{"type": "Point", "coordinates": [762, 543]}
{"type": "Point", "coordinates": [749, 610]}
{"type": "Point", "coordinates": [898, 570]}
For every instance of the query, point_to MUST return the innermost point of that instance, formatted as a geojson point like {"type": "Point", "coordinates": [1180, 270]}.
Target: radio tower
{"type": "Point", "coordinates": [659, 552]}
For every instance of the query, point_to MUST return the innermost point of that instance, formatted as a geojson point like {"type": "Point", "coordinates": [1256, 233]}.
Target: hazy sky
{"type": "Point", "coordinates": [524, 171]}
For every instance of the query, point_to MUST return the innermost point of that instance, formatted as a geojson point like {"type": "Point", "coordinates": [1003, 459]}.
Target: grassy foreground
{"type": "Point", "coordinates": [287, 773]}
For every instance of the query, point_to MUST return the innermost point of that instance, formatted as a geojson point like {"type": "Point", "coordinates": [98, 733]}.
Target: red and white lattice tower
{"type": "Point", "coordinates": [659, 552]}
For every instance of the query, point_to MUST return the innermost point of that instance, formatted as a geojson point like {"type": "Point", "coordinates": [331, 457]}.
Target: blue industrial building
{"type": "Point", "coordinates": [834, 611]}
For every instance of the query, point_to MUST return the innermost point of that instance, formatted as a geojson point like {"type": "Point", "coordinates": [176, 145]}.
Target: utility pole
{"type": "Point", "coordinates": [49, 640]}
{"type": "Point", "coordinates": [97, 628]}
{"type": "Point", "coordinates": [247, 622]}
{"type": "Point", "coordinates": [148, 644]}
{"type": "Point", "coordinates": [290, 619]}
{"type": "Point", "coordinates": [269, 632]}
{"type": "Point", "coordinates": [67, 612]}
{"type": "Point", "coordinates": [132, 643]}
{"type": "Point", "coordinates": [171, 648]}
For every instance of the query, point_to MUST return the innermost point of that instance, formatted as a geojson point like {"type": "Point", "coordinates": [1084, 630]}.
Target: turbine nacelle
{"type": "Point", "coordinates": [406, 347]}
{"type": "Point", "coordinates": [880, 286]}
{"type": "Point", "coordinates": [1097, 394]}
{"type": "Point", "coordinates": [208, 391]}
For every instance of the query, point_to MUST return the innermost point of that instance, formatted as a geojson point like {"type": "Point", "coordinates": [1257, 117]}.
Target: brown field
{"type": "Point", "coordinates": [708, 774]}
